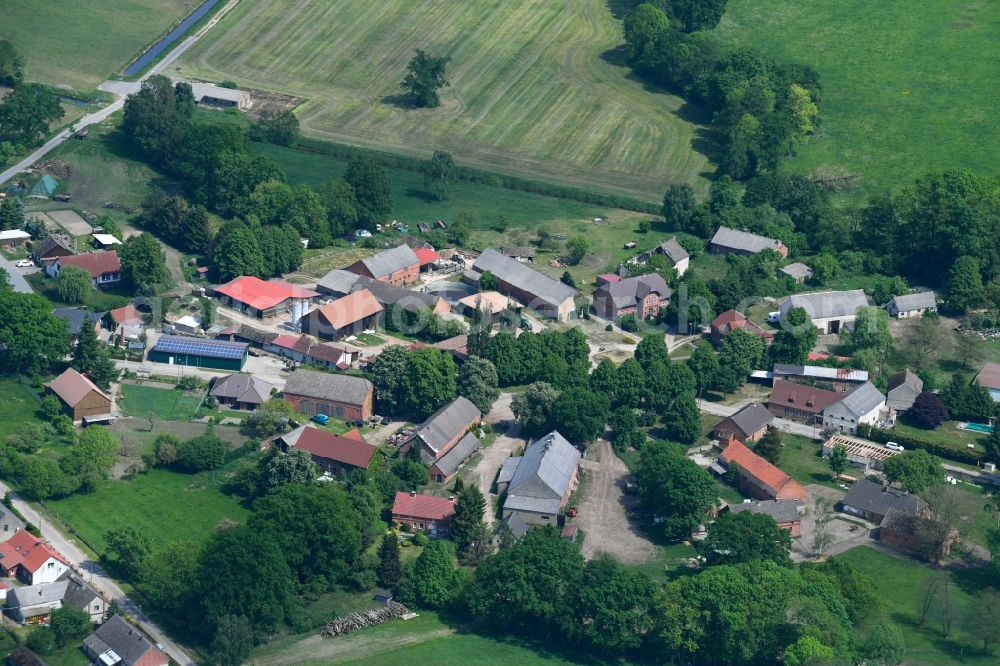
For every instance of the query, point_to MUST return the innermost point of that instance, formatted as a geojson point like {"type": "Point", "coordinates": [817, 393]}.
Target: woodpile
{"type": "Point", "coordinates": [345, 625]}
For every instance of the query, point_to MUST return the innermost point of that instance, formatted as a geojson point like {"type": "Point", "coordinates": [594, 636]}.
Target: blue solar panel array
{"type": "Point", "coordinates": [175, 344]}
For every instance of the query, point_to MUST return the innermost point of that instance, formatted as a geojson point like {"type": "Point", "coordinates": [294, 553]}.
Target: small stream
{"type": "Point", "coordinates": [175, 34]}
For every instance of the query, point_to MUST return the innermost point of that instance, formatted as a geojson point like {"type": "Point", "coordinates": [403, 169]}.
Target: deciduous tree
{"type": "Point", "coordinates": [477, 381]}
{"type": "Point", "coordinates": [915, 470]}
{"type": "Point", "coordinates": [74, 285]}
{"type": "Point", "coordinates": [885, 645]}
{"type": "Point", "coordinates": [675, 488]}
{"type": "Point", "coordinates": [964, 289]}
{"type": "Point", "coordinates": [127, 547]}
{"type": "Point", "coordinates": [795, 340]}
{"type": "Point", "coordinates": [296, 466]}
{"type": "Point", "coordinates": [533, 408]}
{"type": "Point", "coordinates": [371, 187]}
{"type": "Point", "coordinates": [425, 76]}
{"type": "Point", "coordinates": [233, 640]}
{"type": "Point", "coordinates": [745, 537]}
{"type": "Point", "coordinates": [143, 261]}
{"type": "Point", "coordinates": [440, 175]}
{"type": "Point", "coordinates": [430, 381]}
{"type": "Point", "coordinates": [928, 411]}
{"type": "Point", "coordinates": [838, 460]}
{"type": "Point", "coordinates": [769, 446]}
{"type": "Point", "coordinates": [580, 415]}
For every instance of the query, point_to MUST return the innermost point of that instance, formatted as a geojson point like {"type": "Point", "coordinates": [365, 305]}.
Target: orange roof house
{"type": "Point", "coordinates": [351, 314]}
{"type": "Point", "coordinates": [426, 513]}
{"type": "Point", "coordinates": [80, 396]}
{"type": "Point", "coordinates": [426, 257]}
{"type": "Point", "coordinates": [758, 477]}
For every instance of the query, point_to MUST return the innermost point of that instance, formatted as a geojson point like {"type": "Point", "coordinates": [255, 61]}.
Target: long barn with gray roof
{"type": "Point", "coordinates": [539, 292]}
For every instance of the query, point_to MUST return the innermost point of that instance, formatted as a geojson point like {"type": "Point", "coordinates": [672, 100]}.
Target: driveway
{"type": "Point", "coordinates": [602, 514]}
{"type": "Point", "coordinates": [94, 574]}
{"type": "Point", "coordinates": [16, 276]}
{"type": "Point", "coordinates": [485, 472]}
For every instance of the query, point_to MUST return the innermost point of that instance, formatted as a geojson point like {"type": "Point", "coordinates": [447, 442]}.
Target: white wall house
{"type": "Point", "coordinates": [830, 311]}
{"type": "Point", "coordinates": [865, 404]}
{"type": "Point", "coordinates": [913, 305]}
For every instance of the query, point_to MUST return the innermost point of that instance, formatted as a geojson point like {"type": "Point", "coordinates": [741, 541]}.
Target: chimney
{"type": "Point", "coordinates": [413, 493]}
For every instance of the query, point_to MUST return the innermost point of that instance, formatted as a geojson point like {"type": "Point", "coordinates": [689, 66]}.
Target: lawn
{"type": "Point", "coordinates": [894, 81]}
{"type": "Point", "coordinates": [537, 88]}
{"type": "Point", "coordinates": [19, 407]}
{"type": "Point", "coordinates": [165, 506]}
{"type": "Point", "coordinates": [947, 434]}
{"type": "Point", "coordinates": [801, 458]}
{"type": "Point", "coordinates": [423, 640]}
{"type": "Point", "coordinates": [158, 403]}
{"type": "Point", "coordinates": [77, 45]}
{"type": "Point", "coordinates": [901, 585]}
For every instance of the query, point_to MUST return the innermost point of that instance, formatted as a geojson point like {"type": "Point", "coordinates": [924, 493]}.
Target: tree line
{"type": "Point", "coordinates": [760, 108]}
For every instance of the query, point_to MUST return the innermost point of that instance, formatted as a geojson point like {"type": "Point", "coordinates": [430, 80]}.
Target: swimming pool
{"type": "Point", "coordinates": [979, 427]}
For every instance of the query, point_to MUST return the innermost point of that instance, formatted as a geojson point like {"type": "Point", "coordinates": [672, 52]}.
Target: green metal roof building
{"type": "Point", "coordinates": [199, 352]}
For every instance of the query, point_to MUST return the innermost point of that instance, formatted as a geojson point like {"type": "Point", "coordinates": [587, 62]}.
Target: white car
{"type": "Point", "coordinates": [25, 263]}
{"type": "Point", "coordinates": [893, 446]}
{"type": "Point", "coordinates": [773, 317]}
{"type": "Point", "coordinates": [363, 233]}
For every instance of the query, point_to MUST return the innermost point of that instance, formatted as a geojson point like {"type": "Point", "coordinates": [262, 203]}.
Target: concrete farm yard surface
{"type": "Point", "coordinates": [530, 91]}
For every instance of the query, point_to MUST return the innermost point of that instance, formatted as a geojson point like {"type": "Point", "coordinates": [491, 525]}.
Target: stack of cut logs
{"type": "Point", "coordinates": [355, 621]}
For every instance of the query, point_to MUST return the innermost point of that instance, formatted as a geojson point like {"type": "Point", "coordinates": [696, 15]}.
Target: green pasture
{"type": "Point", "coordinates": [158, 403]}
{"type": "Point", "coordinates": [163, 505]}
{"type": "Point", "coordinates": [77, 45]}
{"type": "Point", "coordinates": [901, 584]}
{"type": "Point", "coordinates": [905, 87]}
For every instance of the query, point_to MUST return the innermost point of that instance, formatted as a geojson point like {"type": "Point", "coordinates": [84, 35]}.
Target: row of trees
{"type": "Point", "coordinates": [220, 173]}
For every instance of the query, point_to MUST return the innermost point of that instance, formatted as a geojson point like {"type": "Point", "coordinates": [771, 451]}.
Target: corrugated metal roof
{"type": "Point", "coordinates": [863, 399]}
{"type": "Point", "coordinates": [340, 388]}
{"type": "Point", "coordinates": [743, 240]}
{"type": "Point", "coordinates": [924, 300]}
{"type": "Point", "coordinates": [447, 423]}
{"type": "Point", "coordinates": [458, 454]}
{"type": "Point", "coordinates": [544, 474]}
{"type": "Point", "coordinates": [389, 261]}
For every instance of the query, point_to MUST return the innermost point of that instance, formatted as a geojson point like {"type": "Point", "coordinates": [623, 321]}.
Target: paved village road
{"type": "Point", "coordinates": [94, 574]}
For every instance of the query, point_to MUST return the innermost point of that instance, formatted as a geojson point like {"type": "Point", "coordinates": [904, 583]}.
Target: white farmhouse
{"type": "Point", "coordinates": [865, 404]}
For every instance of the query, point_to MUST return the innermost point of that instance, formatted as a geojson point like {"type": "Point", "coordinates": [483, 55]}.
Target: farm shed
{"type": "Point", "coordinates": [200, 353]}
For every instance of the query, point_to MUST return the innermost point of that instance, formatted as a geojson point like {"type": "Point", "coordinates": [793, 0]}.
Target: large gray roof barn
{"type": "Point", "coordinates": [734, 240]}
{"type": "Point", "coordinates": [343, 388]}
{"type": "Point", "coordinates": [827, 304]}
{"type": "Point", "coordinates": [863, 399]}
{"type": "Point", "coordinates": [445, 426]}
{"type": "Point", "coordinates": [872, 501]}
{"type": "Point", "coordinates": [544, 476]}
{"type": "Point", "coordinates": [534, 289]}
{"type": "Point", "coordinates": [389, 261]}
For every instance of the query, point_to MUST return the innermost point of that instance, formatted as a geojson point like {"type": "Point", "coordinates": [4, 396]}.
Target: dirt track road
{"type": "Point", "coordinates": [602, 514]}
{"type": "Point", "coordinates": [486, 470]}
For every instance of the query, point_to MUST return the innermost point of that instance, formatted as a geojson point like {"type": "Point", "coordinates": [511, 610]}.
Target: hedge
{"type": "Point", "coordinates": [473, 175]}
{"type": "Point", "coordinates": [965, 456]}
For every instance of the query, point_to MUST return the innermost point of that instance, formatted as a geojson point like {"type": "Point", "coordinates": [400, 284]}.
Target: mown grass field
{"type": "Point", "coordinates": [536, 88]}
{"type": "Point", "coordinates": [423, 640]}
{"type": "Point", "coordinates": [165, 506]}
{"type": "Point", "coordinates": [901, 585]}
{"type": "Point", "coordinates": [904, 86]}
{"type": "Point", "coordinates": [157, 403]}
{"type": "Point", "coordinates": [77, 45]}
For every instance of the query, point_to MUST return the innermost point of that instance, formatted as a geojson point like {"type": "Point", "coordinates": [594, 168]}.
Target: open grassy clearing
{"type": "Point", "coordinates": [77, 45]}
{"type": "Point", "coordinates": [165, 506]}
{"type": "Point", "coordinates": [19, 406]}
{"type": "Point", "coordinates": [895, 80]}
{"type": "Point", "coordinates": [535, 88]}
{"type": "Point", "coordinates": [422, 640]}
{"type": "Point", "coordinates": [158, 403]}
{"type": "Point", "coordinates": [901, 585]}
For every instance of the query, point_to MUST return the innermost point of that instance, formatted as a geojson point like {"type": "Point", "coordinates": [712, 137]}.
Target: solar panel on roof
{"type": "Point", "coordinates": [196, 347]}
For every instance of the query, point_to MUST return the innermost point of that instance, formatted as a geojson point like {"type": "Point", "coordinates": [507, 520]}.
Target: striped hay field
{"type": "Point", "coordinates": [532, 92]}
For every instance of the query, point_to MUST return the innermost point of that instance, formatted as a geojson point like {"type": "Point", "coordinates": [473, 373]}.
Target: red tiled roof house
{"type": "Point", "coordinates": [103, 267]}
{"type": "Point", "coordinates": [424, 513]}
{"type": "Point", "coordinates": [332, 453]}
{"type": "Point", "coordinates": [30, 559]}
{"type": "Point", "coordinates": [799, 402]}
{"type": "Point", "coordinates": [730, 320]}
{"type": "Point", "coordinates": [759, 478]}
